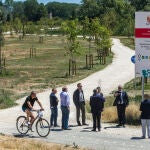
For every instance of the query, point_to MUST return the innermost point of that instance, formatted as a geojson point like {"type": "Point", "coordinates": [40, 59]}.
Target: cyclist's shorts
{"type": "Point", "coordinates": [24, 109]}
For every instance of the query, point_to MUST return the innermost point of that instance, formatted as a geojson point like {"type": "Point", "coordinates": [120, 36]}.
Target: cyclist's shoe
{"type": "Point", "coordinates": [30, 128]}
{"type": "Point", "coordinates": [27, 123]}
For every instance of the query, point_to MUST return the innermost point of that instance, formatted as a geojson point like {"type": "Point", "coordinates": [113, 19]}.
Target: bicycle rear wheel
{"type": "Point", "coordinates": [21, 124]}
{"type": "Point", "coordinates": [42, 127]}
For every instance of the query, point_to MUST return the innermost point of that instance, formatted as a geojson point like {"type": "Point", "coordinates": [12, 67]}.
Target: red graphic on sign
{"type": "Point", "coordinates": [142, 33]}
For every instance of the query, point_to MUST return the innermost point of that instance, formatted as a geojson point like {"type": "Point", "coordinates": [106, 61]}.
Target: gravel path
{"type": "Point", "coordinates": [119, 72]}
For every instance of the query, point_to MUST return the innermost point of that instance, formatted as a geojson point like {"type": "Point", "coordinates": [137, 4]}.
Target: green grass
{"type": "Point", "coordinates": [6, 99]}
{"type": "Point", "coordinates": [47, 70]}
{"type": "Point", "coordinates": [129, 42]}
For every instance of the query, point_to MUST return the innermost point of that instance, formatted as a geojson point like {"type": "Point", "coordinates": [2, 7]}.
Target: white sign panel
{"type": "Point", "coordinates": [142, 44]}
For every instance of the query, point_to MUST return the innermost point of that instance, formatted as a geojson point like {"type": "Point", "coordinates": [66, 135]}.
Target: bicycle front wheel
{"type": "Point", "coordinates": [42, 127]}
{"type": "Point", "coordinates": [21, 124]}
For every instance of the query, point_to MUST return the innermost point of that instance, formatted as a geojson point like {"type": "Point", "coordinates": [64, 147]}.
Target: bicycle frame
{"type": "Point", "coordinates": [39, 116]}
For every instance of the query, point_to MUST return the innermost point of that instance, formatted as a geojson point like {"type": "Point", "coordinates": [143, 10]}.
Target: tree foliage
{"type": "Point", "coordinates": [71, 29]}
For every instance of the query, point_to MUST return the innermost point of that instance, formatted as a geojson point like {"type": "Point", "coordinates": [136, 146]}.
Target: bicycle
{"type": "Point", "coordinates": [42, 125]}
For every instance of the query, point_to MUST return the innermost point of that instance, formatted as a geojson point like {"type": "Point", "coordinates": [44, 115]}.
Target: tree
{"type": "Point", "coordinates": [9, 5]}
{"type": "Point", "coordinates": [17, 25]}
{"type": "Point", "coordinates": [41, 12]}
{"type": "Point", "coordinates": [1, 44]}
{"type": "Point", "coordinates": [89, 8]}
{"type": "Point", "coordinates": [139, 4]}
{"type": "Point", "coordinates": [71, 29]}
{"type": "Point", "coordinates": [101, 36]}
{"type": "Point", "coordinates": [18, 10]}
{"type": "Point", "coordinates": [147, 7]}
{"type": "Point", "coordinates": [56, 8]}
{"type": "Point", "coordinates": [30, 9]}
{"type": "Point", "coordinates": [109, 19]}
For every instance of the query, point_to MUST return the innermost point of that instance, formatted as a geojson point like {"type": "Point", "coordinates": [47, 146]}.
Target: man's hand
{"type": "Point", "coordinates": [42, 109]}
{"type": "Point", "coordinates": [116, 94]}
{"type": "Point", "coordinates": [69, 108]}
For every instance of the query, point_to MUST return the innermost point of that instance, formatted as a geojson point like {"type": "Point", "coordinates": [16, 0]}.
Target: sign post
{"type": "Point", "coordinates": [142, 46]}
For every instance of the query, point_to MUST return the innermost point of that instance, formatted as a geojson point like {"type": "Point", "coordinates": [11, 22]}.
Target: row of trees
{"type": "Point", "coordinates": [92, 31]}
{"type": "Point", "coordinates": [117, 15]}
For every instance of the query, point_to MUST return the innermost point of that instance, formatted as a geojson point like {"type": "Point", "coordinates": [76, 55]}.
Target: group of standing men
{"type": "Point", "coordinates": [96, 103]}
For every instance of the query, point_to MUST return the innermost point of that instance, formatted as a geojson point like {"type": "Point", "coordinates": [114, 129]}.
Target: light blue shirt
{"type": "Point", "coordinates": [65, 99]}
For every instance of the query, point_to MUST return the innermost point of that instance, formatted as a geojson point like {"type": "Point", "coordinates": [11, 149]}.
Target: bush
{"type": "Point", "coordinates": [109, 114]}
{"type": "Point", "coordinates": [132, 115]}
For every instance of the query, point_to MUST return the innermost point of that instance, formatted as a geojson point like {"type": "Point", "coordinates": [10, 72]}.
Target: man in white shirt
{"type": "Point", "coordinates": [65, 107]}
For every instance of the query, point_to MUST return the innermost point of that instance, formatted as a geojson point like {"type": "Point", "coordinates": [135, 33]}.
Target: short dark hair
{"type": "Point", "coordinates": [146, 96]}
{"type": "Point", "coordinates": [98, 87]}
{"type": "Point", "coordinates": [78, 84]}
{"type": "Point", "coordinates": [53, 89]}
{"type": "Point", "coordinates": [33, 92]}
{"type": "Point", "coordinates": [94, 91]}
{"type": "Point", "coordinates": [64, 88]}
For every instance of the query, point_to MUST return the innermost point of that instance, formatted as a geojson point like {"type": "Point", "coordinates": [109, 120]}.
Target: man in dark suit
{"type": "Point", "coordinates": [145, 115]}
{"type": "Point", "coordinates": [79, 101]}
{"type": "Point", "coordinates": [121, 102]}
{"type": "Point", "coordinates": [53, 106]}
{"type": "Point", "coordinates": [97, 105]}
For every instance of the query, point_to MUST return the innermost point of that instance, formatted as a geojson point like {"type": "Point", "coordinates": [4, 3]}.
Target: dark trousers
{"type": "Point", "coordinates": [96, 120]}
{"type": "Point", "coordinates": [121, 114]}
{"type": "Point", "coordinates": [65, 117]}
{"type": "Point", "coordinates": [54, 114]}
{"type": "Point", "coordinates": [81, 108]}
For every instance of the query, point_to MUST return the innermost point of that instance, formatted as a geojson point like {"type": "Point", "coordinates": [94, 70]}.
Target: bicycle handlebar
{"type": "Point", "coordinates": [38, 110]}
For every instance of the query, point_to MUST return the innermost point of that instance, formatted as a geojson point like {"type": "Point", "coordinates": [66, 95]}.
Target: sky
{"type": "Point", "coordinates": [46, 1]}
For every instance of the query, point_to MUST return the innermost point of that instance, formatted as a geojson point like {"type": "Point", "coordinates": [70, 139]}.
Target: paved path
{"type": "Point", "coordinates": [110, 138]}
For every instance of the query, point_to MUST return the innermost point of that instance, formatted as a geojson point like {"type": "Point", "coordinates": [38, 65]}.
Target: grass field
{"type": "Point", "coordinates": [129, 42]}
{"type": "Point", "coordinates": [48, 69]}
{"type": "Point", "coordinates": [12, 143]}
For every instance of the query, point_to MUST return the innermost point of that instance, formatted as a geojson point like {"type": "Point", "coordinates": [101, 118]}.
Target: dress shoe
{"type": "Point", "coordinates": [143, 137]}
{"type": "Point", "coordinates": [99, 130]}
{"type": "Point", "coordinates": [118, 125]}
{"type": "Point", "coordinates": [93, 130]}
{"type": "Point", "coordinates": [85, 124]}
{"type": "Point", "coordinates": [68, 129]}
{"type": "Point", "coordinates": [79, 124]}
{"type": "Point", "coordinates": [56, 126]}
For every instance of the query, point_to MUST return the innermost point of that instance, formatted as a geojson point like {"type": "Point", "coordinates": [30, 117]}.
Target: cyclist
{"type": "Point", "coordinates": [27, 107]}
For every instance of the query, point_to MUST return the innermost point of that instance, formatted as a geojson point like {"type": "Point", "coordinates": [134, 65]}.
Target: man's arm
{"type": "Point", "coordinates": [116, 94]}
{"type": "Point", "coordinates": [90, 101]}
{"type": "Point", "coordinates": [141, 107]}
{"type": "Point", "coordinates": [40, 104]}
{"type": "Point", "coordinates": [29, 104]}
{"type": "Point", "coordinates": [68, 101]}
{"type": "Point", "coordinates": [75, 97]}
{"type": "Point", "coordinates": [127, 98]}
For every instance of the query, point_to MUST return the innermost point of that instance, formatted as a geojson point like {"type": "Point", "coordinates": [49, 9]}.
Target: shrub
{"type": "Point", "coordinates": [132, 115]}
